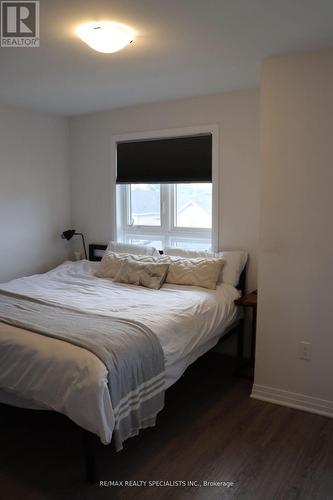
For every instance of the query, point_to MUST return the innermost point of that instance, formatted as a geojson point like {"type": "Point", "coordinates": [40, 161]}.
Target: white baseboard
{"type": "Point", "coordinates": [293, 400]}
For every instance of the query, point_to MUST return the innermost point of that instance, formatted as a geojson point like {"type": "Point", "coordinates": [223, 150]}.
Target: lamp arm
{"type": "Point", "coordinates": [84, 244]}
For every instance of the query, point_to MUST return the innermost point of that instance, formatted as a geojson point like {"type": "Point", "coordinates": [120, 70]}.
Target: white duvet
{"type": "Point", "coordinates": [41, 372]}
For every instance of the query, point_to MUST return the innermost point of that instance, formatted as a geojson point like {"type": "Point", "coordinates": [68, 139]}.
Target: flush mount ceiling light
{"type": "Point", "coordinates": [105, 36]}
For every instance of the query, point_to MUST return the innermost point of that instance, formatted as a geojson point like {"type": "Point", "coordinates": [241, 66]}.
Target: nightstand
{"type": "Point", "coordinates": [249, 300]}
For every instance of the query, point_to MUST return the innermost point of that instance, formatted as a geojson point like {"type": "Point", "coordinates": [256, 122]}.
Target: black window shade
{"type": "Point", "coordinates": [177, 160]}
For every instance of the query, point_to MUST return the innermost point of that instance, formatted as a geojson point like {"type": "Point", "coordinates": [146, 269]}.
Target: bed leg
{"type": "Point", "coordinates": [89, 457]}
{"type": "Point", "coordinates": [240, 343]}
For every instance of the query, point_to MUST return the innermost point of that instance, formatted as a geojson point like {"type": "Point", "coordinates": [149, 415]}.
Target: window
{"type": "Point", "coordinates": [165, 194]}
{"type": "Point", "coordinates": [193, 205]}
{"type": "Point", "coordinates": [162, 215]}
{"type": "Point", "coordinates": [144, 205]}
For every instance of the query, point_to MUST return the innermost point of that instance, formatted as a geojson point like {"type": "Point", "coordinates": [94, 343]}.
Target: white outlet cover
{"type": "Point", "coordinates": [305, 350]}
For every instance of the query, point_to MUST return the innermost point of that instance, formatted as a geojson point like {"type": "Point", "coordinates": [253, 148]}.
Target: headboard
{"type": "Point", "coordinates": [96, 252]}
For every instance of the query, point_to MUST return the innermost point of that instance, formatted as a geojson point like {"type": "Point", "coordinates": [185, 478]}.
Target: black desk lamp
{"type": "Point", "coordinates": [69, 233]}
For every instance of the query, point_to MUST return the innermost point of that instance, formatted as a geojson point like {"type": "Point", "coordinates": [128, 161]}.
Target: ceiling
{"type": "Point", "coordinates": [183, 48]}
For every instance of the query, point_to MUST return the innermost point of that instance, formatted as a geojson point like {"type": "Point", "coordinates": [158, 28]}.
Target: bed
{"type": "Point", "coordinates": [41, 372]}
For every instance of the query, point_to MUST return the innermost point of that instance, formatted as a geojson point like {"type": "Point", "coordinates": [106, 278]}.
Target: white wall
{"type": "Point", "coordinates": [296, 237]}
{"type": "Point", "coordinates": [34, 192]}
{"type": "Point", "coordinates": [236, 113]}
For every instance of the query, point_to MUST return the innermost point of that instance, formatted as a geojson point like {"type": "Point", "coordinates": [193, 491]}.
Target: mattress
{"type": "Point", "coordinates": [46, 373]}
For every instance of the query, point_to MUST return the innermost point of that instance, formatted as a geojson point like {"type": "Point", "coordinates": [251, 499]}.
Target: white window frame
{"type": "Point", "coordinates": [119, 210]}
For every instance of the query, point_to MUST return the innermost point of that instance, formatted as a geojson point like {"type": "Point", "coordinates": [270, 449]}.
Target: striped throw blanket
{"type": "Point", "coordinates": [131, 352]}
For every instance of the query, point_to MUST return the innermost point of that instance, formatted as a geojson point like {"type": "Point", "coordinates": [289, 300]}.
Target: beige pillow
{"type": "Point", "coordinates": [150, 275]}
{"type": "Point", "coordinates": [111, 262]}
{"type": "Point", "coordinates": [234, 261]}
{"type": "Point", "coordinates": [200, 271]}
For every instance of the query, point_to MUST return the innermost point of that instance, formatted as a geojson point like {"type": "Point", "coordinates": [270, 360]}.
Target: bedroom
{"type": "Point", "coordinates": [255, 77]}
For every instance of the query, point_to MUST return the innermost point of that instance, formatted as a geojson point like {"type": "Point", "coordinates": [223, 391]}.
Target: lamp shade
{"type": "Point", "coordinates": [68, 234]}
{"type": "Point", "coordinates": [105, 36]}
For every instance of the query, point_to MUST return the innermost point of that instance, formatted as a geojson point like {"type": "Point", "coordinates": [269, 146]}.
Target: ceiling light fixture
{"type": "Point", "coordinates": [105, 36]}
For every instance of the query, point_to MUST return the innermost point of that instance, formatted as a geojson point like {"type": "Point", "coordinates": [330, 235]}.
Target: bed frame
{"type": "Point", "coordinates": [96, 252]}
{"type": "Point", "coordinates": [89, 439]}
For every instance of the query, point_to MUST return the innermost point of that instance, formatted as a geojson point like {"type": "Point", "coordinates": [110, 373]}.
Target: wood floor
{"type": "Point", "coordinates": [210, 430]}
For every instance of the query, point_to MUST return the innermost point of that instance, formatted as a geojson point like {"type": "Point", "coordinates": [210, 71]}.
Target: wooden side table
{"type": "Point", "coordinates": [249, 300]}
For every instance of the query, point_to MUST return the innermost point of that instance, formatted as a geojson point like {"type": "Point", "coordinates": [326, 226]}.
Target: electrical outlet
{"type": "Point", "coordinates": [305, 349]}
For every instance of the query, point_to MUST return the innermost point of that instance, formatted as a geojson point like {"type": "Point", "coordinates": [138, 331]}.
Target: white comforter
{"type": "Point", "coordinates": [42, 372]}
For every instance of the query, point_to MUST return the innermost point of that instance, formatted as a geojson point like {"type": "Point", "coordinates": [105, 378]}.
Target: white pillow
{"type": "Point", "coordinates": [112, 261]}
{"type": "Point", "coordinates": [114, 246]}
{"type": "Point", "coordinates": [235, 261]}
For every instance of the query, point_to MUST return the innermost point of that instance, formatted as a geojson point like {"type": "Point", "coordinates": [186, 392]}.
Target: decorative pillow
{"type": "Point", "coordinates": [111, 262]}
{"type": "Point", "coordinates": [150, 275]}
{"type": "Point", "coordinates": [201, 271]}
{"type": "Point", "coordinates": [114, 246]}
{"type": "Point", "coordinates": [235, 261]}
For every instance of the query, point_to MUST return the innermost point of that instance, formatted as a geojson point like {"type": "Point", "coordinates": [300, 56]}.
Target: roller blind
{"type": "Point", "coordinates": [156, 161]}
